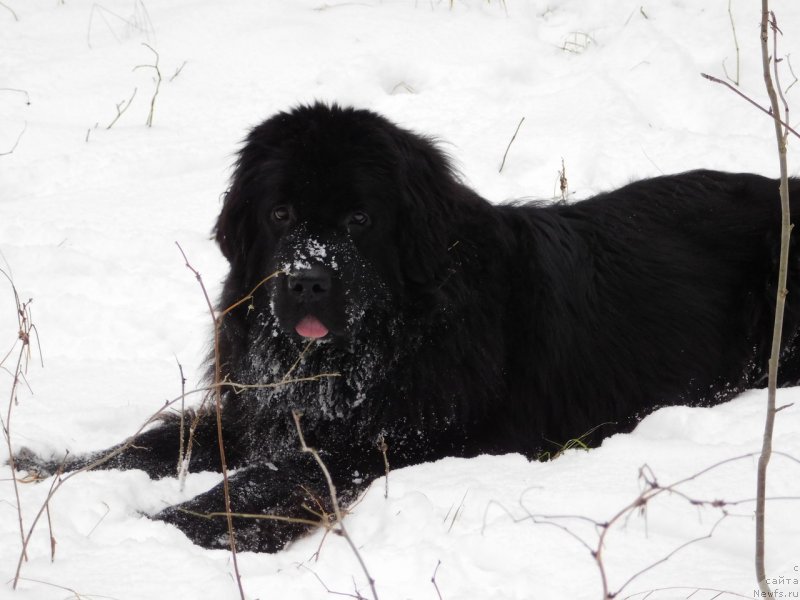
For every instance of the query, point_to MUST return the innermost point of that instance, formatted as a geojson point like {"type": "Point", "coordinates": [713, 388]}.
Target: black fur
{"type": "Point", "coordinates": [458, 327]}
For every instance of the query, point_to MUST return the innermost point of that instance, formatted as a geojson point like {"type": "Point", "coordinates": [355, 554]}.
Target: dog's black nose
{"type": "Point", "coordinates": [309, 285]}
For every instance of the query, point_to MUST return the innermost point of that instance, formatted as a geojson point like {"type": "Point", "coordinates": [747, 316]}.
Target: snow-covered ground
{"type": "Point", "coordinates": [89, 217]}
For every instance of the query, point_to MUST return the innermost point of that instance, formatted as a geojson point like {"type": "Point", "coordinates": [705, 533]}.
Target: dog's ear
{"type": "Point", "coordinates": [236, 229]}
{"type": "Point", "coordinates": [429, 188]}
{"type": "Point", "coordinates": [233, 230]}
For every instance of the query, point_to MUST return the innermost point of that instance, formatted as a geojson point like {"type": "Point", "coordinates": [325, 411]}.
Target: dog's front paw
{"type": "Point", "coordinates": [205, 531]}
{"type": "Point", "coordinates": [274, 509]}
{"type": "Point", "coordinates": [210, 529]}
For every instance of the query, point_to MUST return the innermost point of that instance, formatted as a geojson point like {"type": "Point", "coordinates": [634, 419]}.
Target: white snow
{"type": "Point", "coordinates": [88, 230]}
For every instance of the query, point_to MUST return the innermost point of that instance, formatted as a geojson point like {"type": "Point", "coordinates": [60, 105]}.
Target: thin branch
{"type": "Point", "coordinates": [692, 589]}
{"type": "Point", "coordinates": [297, 361]}
{"type": "Point", "coordinates": [334, 501]}
{"type": "Point", "coordinates": [218, 410]}
{"type": "Point", "coordinates": [149, 122]}
{"type": "Point", "coordinates": [786, 229]}
{"type": "Point", "coordinates": [256, 516]}
{"type": "Point", "coordinates": [513, 137]}
{"type": "Point", "coordinates": [791, 70]}
{"type": "Point", "coordinates": [357, 596]}
{"type": "Point", "coordinates": [177, 72]}
{"type": "Point", "coordinates": [240, 387]}
{"type": "Point", "coordinates": [182, 467]}
{"type": "Point", "coordinates": [25, 328]}
{"type": "Point", "coordinates": [11, 10]}
{"type": "Point", "coordinates": [736, 44]}
{"type": "Point", "coordinates": [139, 21]}
{"type": "Point", "coordinates": [775, 62]}
{"type": "Point", "coordinates": [121, 108]}
{"type": "Point", "coordinates": [433, 579]}
{"type": "Point", "coordinates": [18, 91]}
{"type": "Point", "coordinates": [249, 296]}
{"type": "Point", "coordinates": [61, 480]}
{"type": "Point", "coordinates": [76, 594]}
{"type": "Point", "coordinates": [383, 448]}
{"type": "Point", "coordinates": [670, 555]}
{"type": "Point", "coordinates": [651, 490]}
{"type": "Point", "coordinates": [100, 520]}
{"type": "Point", "coordinates": [751, 101]}
{"type": "Point", "coordinates": [16, 143]}
{"type": "Point", "coordinates": [187, 459]}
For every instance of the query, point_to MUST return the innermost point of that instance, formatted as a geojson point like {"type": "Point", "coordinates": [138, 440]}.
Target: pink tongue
{"type": "Point", "coordinates": [310, 327]}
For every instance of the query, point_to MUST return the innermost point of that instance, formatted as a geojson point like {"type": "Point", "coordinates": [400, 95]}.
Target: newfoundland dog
{"type": "Point", "coordinates": [411, 314]}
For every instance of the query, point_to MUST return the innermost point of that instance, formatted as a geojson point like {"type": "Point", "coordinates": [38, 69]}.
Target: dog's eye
{"type": "Point", "coordinates": [358, 218]}
{"type": "Point", "coordinates": [281, 213]}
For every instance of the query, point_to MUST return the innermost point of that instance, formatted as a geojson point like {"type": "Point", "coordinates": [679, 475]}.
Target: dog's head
{"type": "Point", "coordinates": [348, 209]}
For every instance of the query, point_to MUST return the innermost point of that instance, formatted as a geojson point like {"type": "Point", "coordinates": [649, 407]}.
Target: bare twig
{"type": "Point", "coordinates": [579, 42]}
{"type": "Point", "coordinates": [383, 448]}
{"type": "Point", "coordinates": [149, 122]}
{"type": "Point", "coordinates": [61, 480]}
{"type": "Point", "coordinates": [75, 594]}
{"type": "Point", "coordinates": [297, 361]}
{"type": "Point", "coordinates": [121, 108]}
{"type": "Point", "coordinates": [240, 387]}
{"type": "Point", "coordinates": [357, 596]}
{"type": "Point", "coordinates": [177, 72]}
{"type": "Point", "coordinates": [217, 320]}
{"type": "Point", "coordinates": [16, 143]}
{"type": "Point", "coordinates": [750, 100]}
{"type": "Point", "coordinates": [651, 490]}
{"type": "Point", "coordinates": [100, 520]}
{"type": "Point", "coordinates": [775, 62]}
{"type": "Point", "coordinates": [182, 467]}
{"type": "Point", "coordinates": [11, 10]}
{"type": "Point", "coordinates": [49, 519]}
{"type": "Point", "coordinates": [736, 44]}
{"type": "Point", "coordinates": [513, 137]}
{"type": "Point", "coordinates": [563, 184]}
{"type": "Point", "coordinates": [791, 70]}
{"type": "Point", "coordinates": [139, 21]}
{"type": "Point", "coordinates": [18, 91]}
{"type": "Point", "coordinates": [433, 579]}
{"type": "Point", "coordinates": [25, 331]}
{"type": "Point", "coordinates": [781, 136]}
{"type": "Point", "coordinates": [666, 557]}
{"type": "Point", "coordinates": [693, 590]}
{"type": "Point", "coordinates": [187, 458]}
{"type": "Point", "coordinates": [334, 501]}
{"type": "Point", "coordinates": [256, 516]}
{"type": "Point", "coordinates": [457, 513]}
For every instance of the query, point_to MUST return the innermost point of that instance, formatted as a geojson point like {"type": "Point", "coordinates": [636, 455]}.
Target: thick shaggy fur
{"type": "Point", "coordinates": [458, 327]}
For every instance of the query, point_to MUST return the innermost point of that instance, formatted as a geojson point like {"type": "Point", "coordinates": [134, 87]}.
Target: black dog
{"type": "Point", "coordinates": [445, 325]}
